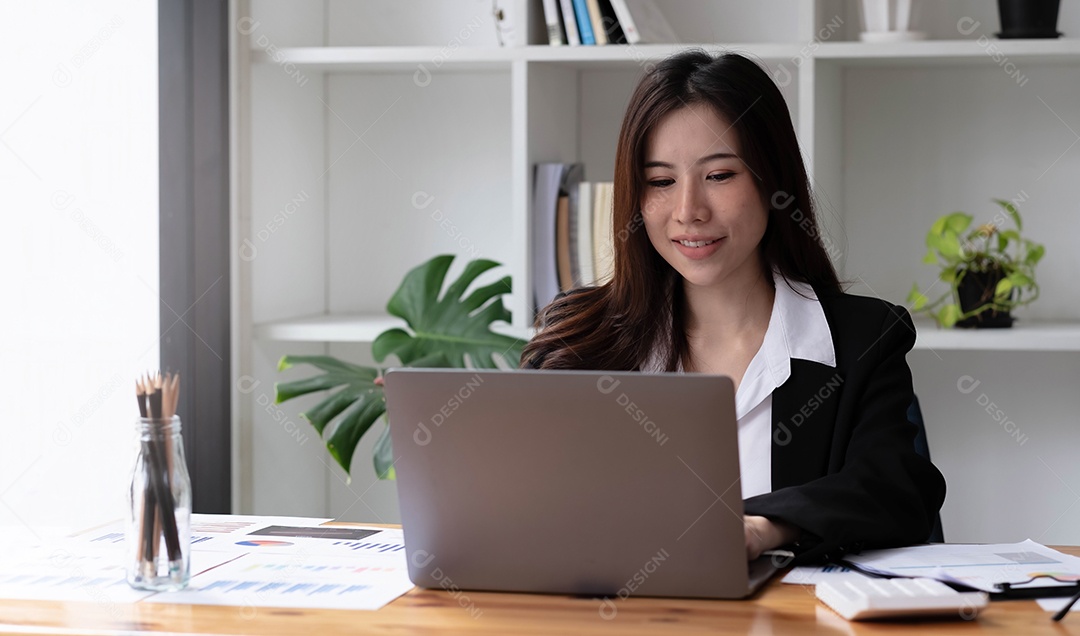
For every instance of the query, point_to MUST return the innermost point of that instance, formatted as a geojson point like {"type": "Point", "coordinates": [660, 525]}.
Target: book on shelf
{"type": "Point", "coordinates": [609, 23]}
{"type": "Point", "coordinates": [600, 22]}
{"type": "Point", "coordinates": [603, 233]}
{"type": "Point", "coordinates": [569, 22]}
{"type": "Point", "coordinates": [581, 231]}
{"type": "Point", "coordinates": [571, 183]}
{"type": "Point", "coordinates": [597, 22]}
{"type": "Point", "coordinates": [626, 21]}
{"type": "Point", "coordinates": [545, 276]}
{"type": "Point", "coordinates": [562, 243]}
{"type": "Point", "coordinates": [581, 12]}
{"type": "Point", "coordinates": [572, 235]}
{"type": "Point", "coordinates": [554, 25]}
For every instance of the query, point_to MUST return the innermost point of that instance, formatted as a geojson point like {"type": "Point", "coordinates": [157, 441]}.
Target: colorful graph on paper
{"type": "Point", "coordinates": [278, 580]}
{"type": "Point", "coordinates": [365, 546]}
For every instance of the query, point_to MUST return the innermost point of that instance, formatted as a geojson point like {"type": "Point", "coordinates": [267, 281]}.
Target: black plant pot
{"type": "Point", "coordinates": [977, 289]}
{"type": "Point", "coordinates": [1028, 18]}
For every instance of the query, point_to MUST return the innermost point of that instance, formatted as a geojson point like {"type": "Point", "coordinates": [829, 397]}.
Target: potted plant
{"type": "Point", "coordinates": [889, 21]}
{"type": "Point", "coordinates": [1028, 18]}
{"type": "Point", "coordinates": [989, 270]}
{"type": "Point", "coordinates": [453, 330]}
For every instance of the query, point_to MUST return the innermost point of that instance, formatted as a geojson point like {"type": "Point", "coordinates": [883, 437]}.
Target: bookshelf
{"type": "Point", "coordinates": [367, 140]}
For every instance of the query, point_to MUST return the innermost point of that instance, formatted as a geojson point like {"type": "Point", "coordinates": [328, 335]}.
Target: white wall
{"type": "Point", "coordinates": [79, 173]}
{"type": "Point", "coordinates": [1004, 429]}
{"type": "Point", "coordinates": [923, 142]}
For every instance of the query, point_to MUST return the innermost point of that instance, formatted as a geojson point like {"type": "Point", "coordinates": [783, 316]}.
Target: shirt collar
{"type": "Point", "coordinates": [797, 329]}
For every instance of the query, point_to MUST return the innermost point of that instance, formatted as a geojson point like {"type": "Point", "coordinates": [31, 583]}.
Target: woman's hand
{"type": "Point", "coordinates": [764, 534]}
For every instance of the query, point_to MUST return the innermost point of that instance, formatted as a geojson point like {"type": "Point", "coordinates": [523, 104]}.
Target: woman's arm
{"type": "Point", "coordinates": [883, 494]}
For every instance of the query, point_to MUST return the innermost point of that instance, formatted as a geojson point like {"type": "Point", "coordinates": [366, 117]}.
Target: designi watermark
{"type": "Point", "coordinates": [607, 384]}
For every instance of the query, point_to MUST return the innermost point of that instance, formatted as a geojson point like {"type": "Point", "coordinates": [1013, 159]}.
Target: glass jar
{"type": "Point", "coordinates": [158, 527]}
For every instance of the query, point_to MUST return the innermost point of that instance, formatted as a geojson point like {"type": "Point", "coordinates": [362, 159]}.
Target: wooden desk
{"type": "Point", "coordinates": [778, 609]}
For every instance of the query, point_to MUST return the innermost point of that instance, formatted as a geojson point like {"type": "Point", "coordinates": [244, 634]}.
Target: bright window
{"type": "Point", "coordinates": [78, 252]}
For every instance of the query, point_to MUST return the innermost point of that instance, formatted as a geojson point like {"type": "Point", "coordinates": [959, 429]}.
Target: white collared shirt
{"type": "Point", "coordinates": [797, 329]}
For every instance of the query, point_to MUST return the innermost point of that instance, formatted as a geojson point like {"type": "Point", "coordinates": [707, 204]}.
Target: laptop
{"type": "Point", "coordinates": [606, 484]}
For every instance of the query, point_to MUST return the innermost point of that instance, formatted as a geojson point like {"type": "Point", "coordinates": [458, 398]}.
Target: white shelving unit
{"type": "Point", "coordinates": [348, 328]}
{"type": "Point", "coordinates": [1038, 336]}
{"type": "Point", "coordinates": [367, 139]}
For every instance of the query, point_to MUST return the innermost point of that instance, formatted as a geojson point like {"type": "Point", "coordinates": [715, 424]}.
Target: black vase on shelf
{"type": "Point", "coordinates": [977, 289]}
{"type": "Point", "coordinates": [1028, 18]}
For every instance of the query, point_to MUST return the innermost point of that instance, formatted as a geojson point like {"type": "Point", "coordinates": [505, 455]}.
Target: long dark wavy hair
{"type": "Point", "coordinates": [618, 325]}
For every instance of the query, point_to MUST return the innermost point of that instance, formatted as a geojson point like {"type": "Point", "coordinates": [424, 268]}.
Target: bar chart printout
{"type": "Point", "coordinates": [278, 580]}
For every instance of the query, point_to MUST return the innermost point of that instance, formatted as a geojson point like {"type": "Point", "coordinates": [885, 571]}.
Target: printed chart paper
{"type": "Point", "coordinates": [235, 560]}
{"type": "Point", "coordinates": [375, 542]}
{"type": "Point", "coordinates": [811, 574]}
{"type": "Point", "coordinates": [67, 572]}
{"type": "Point", "coordinates": [207, 531]}
{"type": "Point", "coordinates": [1055, 604]}
{"type": "Point", "coordinates": [278, 580]}
{"type": "Point", "coordinates": [978, 566]}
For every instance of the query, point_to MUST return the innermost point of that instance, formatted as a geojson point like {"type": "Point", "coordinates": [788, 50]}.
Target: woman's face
{"type": "Point", "coordinates": [701, 205]}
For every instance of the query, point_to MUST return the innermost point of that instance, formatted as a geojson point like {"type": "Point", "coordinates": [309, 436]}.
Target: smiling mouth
{"type": "Point", "coordinates": [696, 243]}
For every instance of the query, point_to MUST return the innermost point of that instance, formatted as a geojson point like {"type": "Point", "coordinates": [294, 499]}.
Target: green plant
{"type": "Point", "coordinates": [453, 330]}
{"type": "Point", "coordinates": [988, 252]}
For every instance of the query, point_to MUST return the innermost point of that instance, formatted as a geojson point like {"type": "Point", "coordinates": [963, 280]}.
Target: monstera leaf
{"type": "Point", "coordinates": [445, 331]}
{"type": "Point", "coordinates": [454, 325]}
{"type": "Point", "coordinates": [359, 402]}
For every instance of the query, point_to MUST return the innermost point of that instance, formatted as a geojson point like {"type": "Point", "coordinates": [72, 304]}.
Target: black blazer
{"type": "Point", "coordinates": [844, 466]}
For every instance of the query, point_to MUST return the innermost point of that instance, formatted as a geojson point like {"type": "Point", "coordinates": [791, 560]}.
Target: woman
{"type": "Point", "coordinates": [719, 268]}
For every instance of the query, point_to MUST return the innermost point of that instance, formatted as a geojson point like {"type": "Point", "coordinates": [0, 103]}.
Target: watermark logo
{"type": "Point", "coordinates": [423, 558]}
{"type": "Point", "coordinates": [248, 26]}
{"type": "Point", "coordinates": [422, 76]}
{"type": "Point", "coordinates": [246, 385]}
{"type": "Point", "coordinates": [248, 248]}
{"type": "Point", "coordinates": [422, 200]}
{"type": "Point", "coordinates": [607, 384]}
{"type": "Point", "coordinates": [608, 609]}
{"type": "Point", "coordinates": [63, 75]}
{"type": "Point", "coordinates": [967, 25]}
{"type": "Point", "coordinates": [967, 384]}
{"type": "Point", "coordinates": [62, 434]}
{"type": "Point", "coordinates": [422, 435]}
{"type": "Point", "coordinates": [61, 200]}
{"type": "Point", "coordinates": [781, 200]}
{"type": "Point", "coordinates": [782, 435]}
{"type": "Point", "coordinates": [782, 76]}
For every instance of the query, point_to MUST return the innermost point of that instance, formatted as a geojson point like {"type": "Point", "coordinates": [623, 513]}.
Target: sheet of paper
{"type": "Point", "coordinates": [1055, 604]}
{"type": "Point", "coordinates": [233, 524]}
{"type": "Point", "coordinates": [74, 572]}
{"type": "Point", "coordinates": [977, 566]}
{"type": "Point", "coordinates": [811, 574]}
{"type": "Point", "coordinates": [235, 560]}
{"type": "Point", "coordinates": [208, 532]}
{"type": "Point", "coordinates": [367, 541]}
{"type": "Point", "coordinates": [279, 580]}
